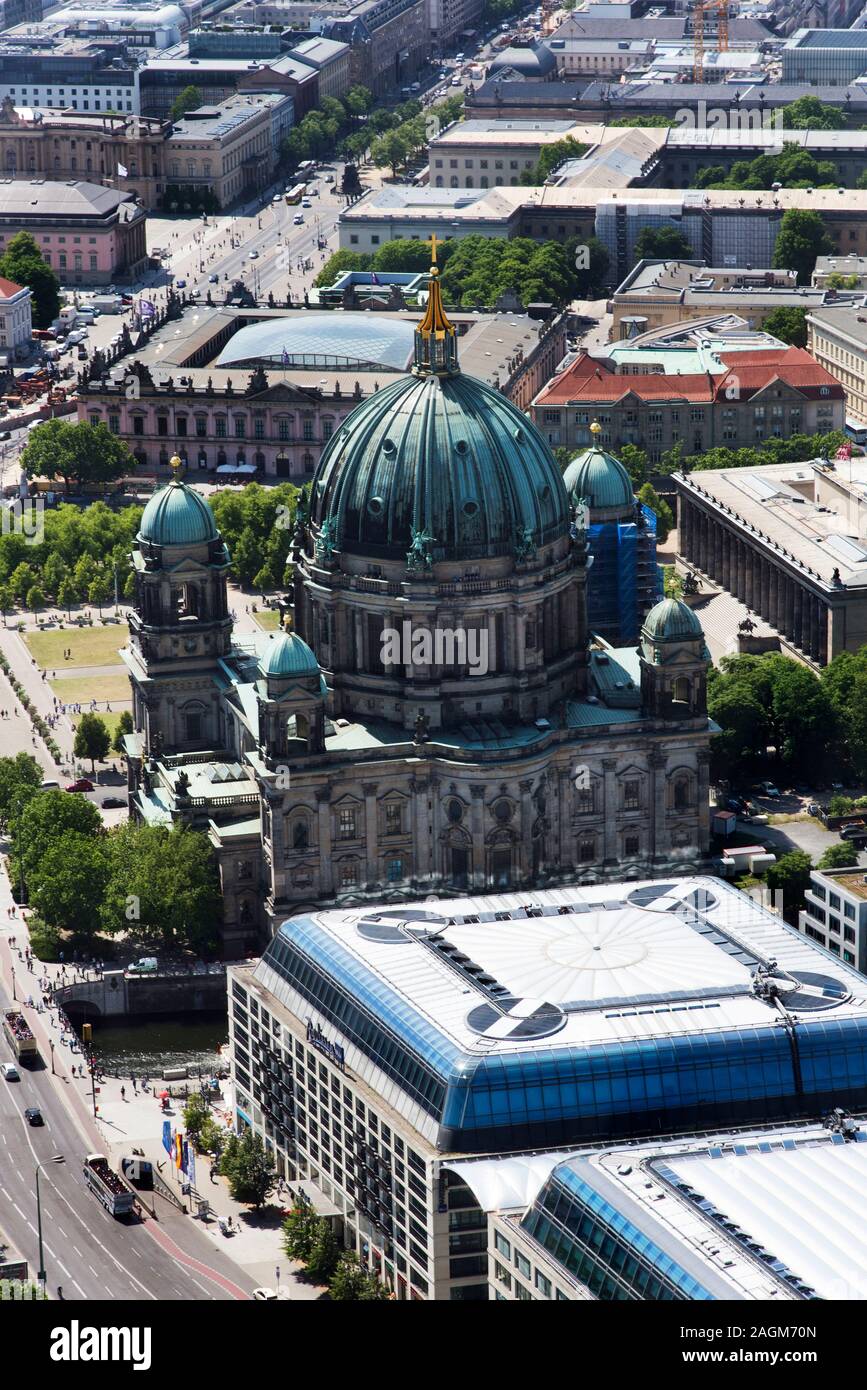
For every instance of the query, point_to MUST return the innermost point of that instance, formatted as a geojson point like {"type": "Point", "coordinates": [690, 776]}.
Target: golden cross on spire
{"type": "Point", "coordinates": [433, 249]}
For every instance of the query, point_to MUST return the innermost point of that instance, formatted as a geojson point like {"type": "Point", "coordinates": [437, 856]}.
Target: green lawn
{"type": "Point", "coordinates": [83, 689]}
{"type": "Point", "coordinates": [268, 618]}
{"type": "Point", "coordinates": [91, 646]}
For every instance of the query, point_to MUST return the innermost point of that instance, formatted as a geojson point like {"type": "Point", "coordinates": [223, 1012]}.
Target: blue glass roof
{"type": "Point", "coordinates": [364, 341]}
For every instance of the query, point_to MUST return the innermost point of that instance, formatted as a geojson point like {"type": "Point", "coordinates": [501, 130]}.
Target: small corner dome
{"type": "Point", "coordinates": [288, 655]}
{"type": "Point", "coordinates": [178, 515]}
{"type": "Point", "coordinates": [672, 621]}
{"type": "Point", "coordinates": [599, 479]}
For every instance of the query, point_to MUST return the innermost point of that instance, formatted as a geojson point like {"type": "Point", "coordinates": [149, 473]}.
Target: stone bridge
{"type": "Point", "coordinates": [118, 994]}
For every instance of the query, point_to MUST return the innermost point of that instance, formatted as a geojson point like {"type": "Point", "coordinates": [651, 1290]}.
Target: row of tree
{"type": "Point", "coordinates": [793, 167]}
{"type": "Point", "coordinates": [476, 270]}
{"type": "Point", "coordinates": [157, 885]}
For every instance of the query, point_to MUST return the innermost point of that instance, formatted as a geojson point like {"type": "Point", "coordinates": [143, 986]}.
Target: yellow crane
{"type": "Point", "coordinates": [700, 9]}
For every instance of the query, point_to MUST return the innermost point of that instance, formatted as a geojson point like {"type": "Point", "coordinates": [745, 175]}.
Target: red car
{"type": "Point", "coordinates": [82, 785]}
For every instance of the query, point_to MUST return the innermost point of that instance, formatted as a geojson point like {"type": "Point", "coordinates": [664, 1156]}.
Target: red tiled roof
{"type": "Point", "coordinates": [749, 372]}
{"type": "Point", "coordinates": [9, 287]}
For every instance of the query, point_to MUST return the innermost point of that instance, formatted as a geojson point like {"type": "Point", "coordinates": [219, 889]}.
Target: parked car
{"type": "Point", "coordinates": [737, 804]}
{"type": "Point", "coordinates": [854, 832]}
{"type": "Point", "coordinates": [9, 1072]}
{"type": "Point", "coordinates": [213, 279]}
{"type": "Point", "coordinates": [253, 255]}
{"type": "Point", "coordinates": [814, 809]}
{"type": "Point", "coordinates": [113, 802]}
{"type": "Point", "coordinates": [83, 784]}
{"type": "Point", "coordinates": [82, 354]}
{"type": "Point", "coordinates": [180, 284]}
{"type": "Point", "coordinates": [33, 1115]}
{"type": "Point", "coordinates": [306, 203]}
{"type": "Point", "coordinates": [298, 220]}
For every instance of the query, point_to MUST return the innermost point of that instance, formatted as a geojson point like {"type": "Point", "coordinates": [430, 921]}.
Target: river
{"type": "Point", "coordinates": [157, 1045]}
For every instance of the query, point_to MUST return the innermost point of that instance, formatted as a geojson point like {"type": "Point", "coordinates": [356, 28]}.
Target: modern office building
{"type": "Point", "coordinates": [658, 293]}
{"type": "Point", "coordinates": [824, 57]}
{"type": "Point", "coordinates": [837, 339]}
{"type": "Point", "coordinates": [772, 1214]}
{"type": "Point", "coordinates": [836, 914]}
{"type": "Point", "coordinates": [379, 1051]}
{"type": "Point", "coordinates": [88, 77]}
{"type": "Point", "coordinates": [785, 541]}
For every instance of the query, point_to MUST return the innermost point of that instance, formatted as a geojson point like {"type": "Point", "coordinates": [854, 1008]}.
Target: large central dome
{"type": "Point", "coordinates": [438, 461]}
{"type": "Point", "coordinates": [447, 455]}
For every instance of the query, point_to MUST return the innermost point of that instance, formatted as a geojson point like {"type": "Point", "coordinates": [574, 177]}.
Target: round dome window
{"type": "Point", "coordinates": [389, 446]}
{"type": "Point", "coordinates": [461, 446]}
{"type": "Point", "coordinates": [470, 508]}
{"type": "Point", "coordinates": [375, 506]}
{"type": "Point", "coordinates": [519, 435]}
{"type": "Point", "coordinates": [545, 493]}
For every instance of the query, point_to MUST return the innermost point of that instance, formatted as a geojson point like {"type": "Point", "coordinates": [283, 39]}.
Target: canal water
{"type": "Point", "coordinates": [160, 1044]}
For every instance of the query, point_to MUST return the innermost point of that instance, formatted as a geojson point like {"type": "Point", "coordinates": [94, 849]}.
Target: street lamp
{"type": "Point", "coordinates": [41, 1275]}
{"type": "Point", "coordinates": [51, 1045]}
{"type": "Point", "coordinates": [14, 995]}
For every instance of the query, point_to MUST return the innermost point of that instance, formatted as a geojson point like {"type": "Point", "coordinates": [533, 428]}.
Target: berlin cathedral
{"type": "Point", "coordinates": [436, 717]}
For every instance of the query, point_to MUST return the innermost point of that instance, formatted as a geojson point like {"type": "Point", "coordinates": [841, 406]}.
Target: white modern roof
{"type": "Point", "coordinates": [602, 964]}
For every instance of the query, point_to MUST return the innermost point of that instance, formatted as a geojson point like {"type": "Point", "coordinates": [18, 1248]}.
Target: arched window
{"type": "Point", "coordinates": [301, 833]}
{"type": "Point", "coordinates": [681, 793]}
{"type": "Point", "coordinates": [680, 691]}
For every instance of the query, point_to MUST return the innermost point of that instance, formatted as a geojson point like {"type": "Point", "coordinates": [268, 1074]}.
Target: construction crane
{"type": "Point", "coordinates": [700, 9]}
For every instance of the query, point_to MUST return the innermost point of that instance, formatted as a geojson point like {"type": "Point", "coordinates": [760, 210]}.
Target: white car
{"type": "Point", "coordinates": [253, 255]}
{"type": "Point", "coordinates": [9, 1072]}
{"type": "Point", "coordinates": [456, 81]}
{"type": "Point", "coordinates": [298, 220]}
{"type": "Point", "coordinates": [266, 1295]}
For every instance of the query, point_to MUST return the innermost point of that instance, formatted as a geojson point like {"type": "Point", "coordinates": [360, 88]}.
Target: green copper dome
{"type": "Point", "coordinates": [672, 621]}
{"type": "Point", "coordinates": [600, 480]}
{"type": "Point", "coordinates": [177, 515]}
{"type": "Point", "coordinates": [444, 460]}
{"type": "Point", "coordinates": [288, 655]}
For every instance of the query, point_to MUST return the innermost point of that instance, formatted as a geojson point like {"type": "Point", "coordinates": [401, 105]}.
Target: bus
{"type": "Point", "coordinates": [294, 196]}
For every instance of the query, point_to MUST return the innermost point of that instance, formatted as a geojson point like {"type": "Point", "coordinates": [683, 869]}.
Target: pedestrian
{"type": "Point", "coordinates": [123, 1093]}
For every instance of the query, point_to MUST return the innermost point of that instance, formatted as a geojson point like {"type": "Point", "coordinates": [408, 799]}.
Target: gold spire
{"type": "Point", "coordinates": [596, 430]}
{"type": "Point", "coordinates": [176, 464]}
{"type": "Point", "coordinates": [435, 336]}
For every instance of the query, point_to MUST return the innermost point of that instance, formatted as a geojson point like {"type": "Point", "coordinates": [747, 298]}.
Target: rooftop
{"type": "Point", "coordinates": [813, 513]}
{"type": "Point", "coordinates": [26, 197]}
{"type": "Point", "coordinates": [854, 881]}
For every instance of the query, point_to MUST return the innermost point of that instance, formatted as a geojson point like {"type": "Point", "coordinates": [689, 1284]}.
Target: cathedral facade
{"type": "Point", "coordinates": [438, 718]}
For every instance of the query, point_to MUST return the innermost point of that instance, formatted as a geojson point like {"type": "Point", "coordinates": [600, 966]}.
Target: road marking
{"type": "Point", "coordinates": [92, 1270]}
{"type": "Point", "coordinates": [80, 1289]}
{"type": "Point", "coordinates": [78, 1252]}
{"type": "Point", "coordinates": [62, 1266]}
{"type": "Point", "coordinates": [205, 1291]}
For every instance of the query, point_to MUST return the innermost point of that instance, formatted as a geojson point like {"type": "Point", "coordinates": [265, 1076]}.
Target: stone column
{"type": "Point", "coordinates": [765, 606]}
{"type": "Point", "coordinates": [823, 632]}
{"type": "Point", "coordinates": [798, 622]}
{"type": "Point", "coordinates": [609, 767]}
{"type": "Point", "coordinates": [789, 626]}
{"type": "Point", "coordinates": [525, 847]}
{"type": "Point", "coordinates": [326, 873]}
{"type": "Point", "coordinates": [564, 798]}
{"type": "Point", "coordinates": [520, 631]}
{"type": "Point", "coordinates": [433, 791]}
{"type": "Point", "coordinates": [703, 801]}
{"type": "Point", "coordinates": [815, 622]}
{"type": "Point", "coordinates": [370, 836]}
{"type": "Point", "coordinates": [773, 594]}
{"type": "Point", "coordinates": [421, 865]}
{"type": "Point", "coordinates": [359, 640]}
{"type": "Point", "coordinates": [659, 840]}
{"type": "Point", "coordinates": [477, 826]}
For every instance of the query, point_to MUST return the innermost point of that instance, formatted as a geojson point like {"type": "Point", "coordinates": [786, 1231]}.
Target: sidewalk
{"type": "Point", "coordinates": [135, 1120]}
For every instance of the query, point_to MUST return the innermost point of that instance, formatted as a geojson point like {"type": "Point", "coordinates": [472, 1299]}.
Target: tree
{"type": "Point", "coordinates": [592, 275]}
{"type": "Point", "coordinates": [299, 1231]}
{"type": "Point", "coordinates": [35, 598]}
{"type": "Point", "coordinates": [352, 1283]}
{"type": "Point", "coordinates": [339, 263]}
{"type": "Point", "coordinates": [82, 452]}
{"type": "Point", "coordinates": [322, 1260]}
{"type": "Point", "coordinates": [791, 875]}
{"type": "Point", "coordinates": [789, 325]}
{"type": "Point", "coordinates": [840, 856]}
{"type": "Point", "coordinates": [22, 770]}
{"type": "Point", "coordinates": [99, 591]}
{"type": "Point", "coordinates": [23, 264]}
{"type": "Point", "coordinates": [170, 876]}
{"type": "Point", "coordinates": [54, 571]}
{"type": "Point", "coordinates": [67, 595]}
{"type": "Point", "coordinates": [840, 806]}
{"type": "Point", "coordinates": [409, 256]}
{"type": "Point", "coordinates": [350, 184]}
{"type": "Point", "coordinates": [190, 99]}
{"type": "Point", "coordinates": [662, 243]}
{"type": "Point", "coordinates": [42, 819]}
{"type": "Point", "coordinates": [21, 581]}
{"type": "Point", "coordinates": [389, 151]}
{"type": "Point", "coordinates": [196, 1112]}
{"type": "Point", "coordinates": [124, 727]}
{"type": "Point", "coordinates": [809, 113]}
{"type": "Point", "coordinates": [801, 239]}
{"type": "Point", "coordinates": [551, 157]}
{"type": "Point", "coordinates": [663, 122]}
{"type": "Point", "coordinates": [92, 739]}
{"type": "Point", "coordinates": [7, 600]}
{"type": "Point", "coordinates": [358, 101]}
{"type": "Point", "coordinates": [660, 508]}
{"type": "Point", "coordinates": [68, 881]}
{"type": "Point", "coordinates": [634, 460]}
{"type": "Point", "coordinates": [250, 1170]}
